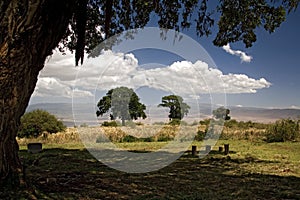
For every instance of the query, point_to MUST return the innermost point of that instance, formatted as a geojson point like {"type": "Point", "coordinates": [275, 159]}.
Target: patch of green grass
{"type": "Point", "coordinates": [61, 146]}
{"type": "Point", "coordinates": [250, 171]}
{"type": "Point", "coordinates": [266, 158]}
{"type": "Point", "coordinates": [141, 146]}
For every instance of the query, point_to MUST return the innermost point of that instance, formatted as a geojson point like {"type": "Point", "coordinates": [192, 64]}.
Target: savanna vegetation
{"type": "Point", "coordinates": [253, 169]}
{"type": "Point", "coordinates": [30, 30]}
{"type": "Point", "coordinates": [41, 123]}
{"type": "Point", "coordinates": [257, 166]}
{"type": "Point", "coordinates": [280, 131]}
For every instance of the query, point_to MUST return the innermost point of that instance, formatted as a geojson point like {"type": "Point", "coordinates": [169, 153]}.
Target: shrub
{"type": "Point", "coordinates": [231, 123]}
{"type": "Point", "coordinates": [129, 138]}
{"type": "Point", "coordinates": [148, 139]}
{"type": "Point", "coordinates": [139, 124]}
{"type": "Point", "coordinates": [244, 125]}
{"type": "Point", "coordinates": [282, 131]}
{"type": "Point", "coordinates": [175, 122]}
{"type": "Point", "coordinates": [34, 123]}
{"type": "Point", "coordinates": [129, 123]}
{"type": "Point", "coordinates": [164, 138]}
{"type": "Point", "coordinates": [200, 135]}
{"type": "Point", "coordinates": [110, 124]}
{"type": "Point", "coordinates": [205, 122]}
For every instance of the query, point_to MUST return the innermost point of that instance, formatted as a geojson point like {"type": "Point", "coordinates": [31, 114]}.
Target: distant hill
{"type": "Point", "coordinates": [62, 111]}
{"type": "Point", "coordinates": [263, 114]}
{"type": "Point", "coordinates": [83, 112]}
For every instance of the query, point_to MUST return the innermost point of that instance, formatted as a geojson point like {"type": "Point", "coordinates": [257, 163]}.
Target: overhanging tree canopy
{"type": "Point", "coordinates": [237, 20]}
{"type": "Point", "coordinates": [30, 30]}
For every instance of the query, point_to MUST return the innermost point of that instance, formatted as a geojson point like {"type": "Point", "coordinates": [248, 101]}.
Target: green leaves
{"type": "Point", "coordinates": [122, 103]}
{"type": "Point", "coordinates": [177, 107]}
{"type": "Point", "coordinates": [273, 18]}
{"type": "Point", "coordinates": [34, 123]}
{"type": "Point", "coordinates": [237, 20]}
{"type": "Point", "coordinates": [240, 18]}
{"type": "Point", "coordinates": [104, 104]}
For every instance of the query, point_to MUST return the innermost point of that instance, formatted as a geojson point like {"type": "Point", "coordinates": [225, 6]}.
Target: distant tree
{"type": "Point", "coordinates": [177, 107]}
{"type": "Point", "coordinates": [222, 113]}
{"type": "Point", "coordinates": [122, 103]}
{"type": "Point", "coordinates": [34, 123]}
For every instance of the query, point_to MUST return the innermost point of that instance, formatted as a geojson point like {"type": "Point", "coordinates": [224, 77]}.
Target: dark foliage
{"type": "Point", "coordinates": [177, 108]}
{"type": "Point", "coordinates": [122, 103]}
{"type": "Point", "coordinates": [34, 123]}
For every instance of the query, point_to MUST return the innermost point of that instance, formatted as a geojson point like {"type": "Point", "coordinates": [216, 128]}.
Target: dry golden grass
{"type": "Point", "coordinates": [70, 135]}
{"type": "Point", "coordinates": [251, 134]}
{"type": "Point", "coordinates": [156, 132]}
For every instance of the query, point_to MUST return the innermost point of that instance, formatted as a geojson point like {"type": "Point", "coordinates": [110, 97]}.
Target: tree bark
{"type": "Point", "coordinates": [30, 30]}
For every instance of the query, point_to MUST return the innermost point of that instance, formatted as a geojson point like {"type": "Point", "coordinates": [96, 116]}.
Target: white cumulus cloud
{"type": "Point", "coordinates": [243, 56]}
{"type": "Point", "coordinates": [51, 86]}
{"type": "Point", "coordinates": [111, 69]}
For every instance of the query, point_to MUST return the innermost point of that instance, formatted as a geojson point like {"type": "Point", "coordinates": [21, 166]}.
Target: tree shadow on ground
{"type": "Point", "coordinates": [76, 174]}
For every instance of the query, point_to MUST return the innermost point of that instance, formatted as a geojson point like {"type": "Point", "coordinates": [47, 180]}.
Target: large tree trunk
{"type": "Point", "coordinates": [29, 31]}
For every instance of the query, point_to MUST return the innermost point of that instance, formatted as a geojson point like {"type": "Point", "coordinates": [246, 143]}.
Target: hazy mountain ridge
{"type": "Point", "coordinates": [64, 112]}
{"type": "Point", "coordinates": [263, 114]}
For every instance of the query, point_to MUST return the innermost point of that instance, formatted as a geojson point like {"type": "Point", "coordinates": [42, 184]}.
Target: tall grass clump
{"type": "Point", "coordinates": [243, 130]}
{"type": "Point", "coordinates": [70, 135]}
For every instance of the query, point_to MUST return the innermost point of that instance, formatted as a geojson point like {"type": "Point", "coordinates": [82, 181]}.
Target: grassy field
{"type": "Point", "coordinates": [252, 170]}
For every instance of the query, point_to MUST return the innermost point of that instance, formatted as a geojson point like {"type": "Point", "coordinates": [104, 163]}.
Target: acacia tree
{"type": "Point", "coordinates": [30, 30]}
{"type": "Point", "coordinates": [122, 103]}
{"type": "Point", "coordinates": [177, 107]}
{"type": "Point", "coordinates": [221, 113]}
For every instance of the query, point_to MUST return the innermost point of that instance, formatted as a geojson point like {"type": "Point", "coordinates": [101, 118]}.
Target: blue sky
{"type": "Point", "coordinates": [275, 58]}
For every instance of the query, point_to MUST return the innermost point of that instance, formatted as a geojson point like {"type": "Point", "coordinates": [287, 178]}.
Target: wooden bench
{"type": "Point", "coordinates": [35, 147]}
